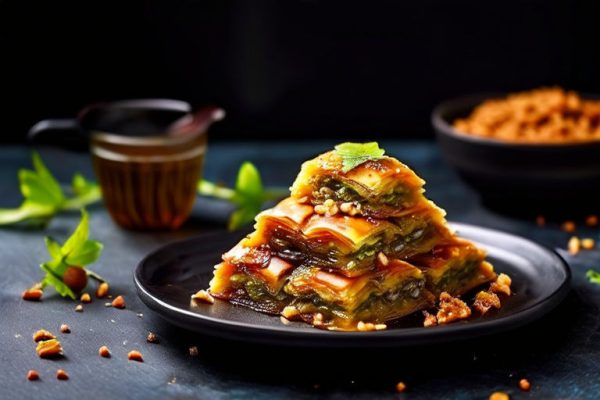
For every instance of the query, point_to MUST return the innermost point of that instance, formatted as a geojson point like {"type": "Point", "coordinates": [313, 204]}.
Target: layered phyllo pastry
{"type": "Point", "coordinates": [348, 245]}
{"type": "Point", "coordinates": [455, 267]}
{"type": "Point", "coordinates": [355, 246]}
{"type": "Point", "coordinates": [328, 299]}
{"type": "Point", "coordinates": [253, 286]}
{"type": "Point", "coordinates": [380, 187]}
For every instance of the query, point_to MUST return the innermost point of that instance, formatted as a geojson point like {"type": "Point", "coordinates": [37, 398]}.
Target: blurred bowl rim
{"type": "Point", "coordinates": [442, 126]}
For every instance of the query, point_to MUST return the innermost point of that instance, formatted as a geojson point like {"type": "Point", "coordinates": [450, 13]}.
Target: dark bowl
{"type": "Point", "coordinates": [520, 178]}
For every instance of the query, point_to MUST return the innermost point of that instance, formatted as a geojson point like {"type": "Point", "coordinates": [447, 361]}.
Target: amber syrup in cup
{"type": "Point", "coordinates": [148, 183]}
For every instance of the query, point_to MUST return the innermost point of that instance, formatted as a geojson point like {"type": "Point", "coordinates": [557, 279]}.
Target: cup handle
{"type": "Point", "coordinates": [65, 132]}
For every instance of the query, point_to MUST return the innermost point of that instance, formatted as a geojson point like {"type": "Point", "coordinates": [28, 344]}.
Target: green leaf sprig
{"type": "Point", "coordinates": [44, 197]}
{"type": "Point", "coordinates": [354, 154]}
{"type": "Point", "coordinates": [77, 252]}
{"type": "Point", "coordinates": [593, 276]}
{"type": "Point", "coordinates": [249, 195]}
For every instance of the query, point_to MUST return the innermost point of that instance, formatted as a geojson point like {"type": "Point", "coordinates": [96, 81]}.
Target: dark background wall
{"type": "Point", "coordinates": [295, 68]}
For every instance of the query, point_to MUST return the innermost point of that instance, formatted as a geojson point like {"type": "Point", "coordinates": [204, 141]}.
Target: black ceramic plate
{"type": "Point", "coordinates": [167, 278]}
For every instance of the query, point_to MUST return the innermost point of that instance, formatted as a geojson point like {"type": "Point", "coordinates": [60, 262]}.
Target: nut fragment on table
{"type": "Point", "coordinates": [152, 338]}
{"type": "Point", "coordinates": [32, 294]}
{"type": "Point", "coordinates": [193, 351]}
{"type": "Point", "coordinates": [43, 334]}
{"type": "Point", "coordinates": [485, 300]}
{"type": "Point", "coordinates": [135, 355]}
{"type": "Point", "coordinates": [430, 319]}
{"type": "Point", "coordinates": [588, 243]}
{"type": "Point", "coordinates": [451, 309]}
{"type": "Point", "coordinates": [568, 226]}
{"type": "Point", "coordinates": [400, 387]}
{"type": "Point", "coordinates": [499, 396]}
{"type": "Point", "coordinates": [64, 328]}
{"type": "Point", "coordinates": [574, 245]}
{"type": "Point", "coordinates": [118, 302]}
{"type": "Point", "coordinates": [502, 285]}
{"type": "Point", "coordinates": [62, 375]}
{"type": "Point", "coordinates": [591, 220]}
{"type": "Point", "coordinates": [104, 352]}
{"type": "Point", "coordinates": [86, 298]}
{"type": "Point", "coordinates": [33, 375]}
{"type": "Point", "coordinates": [79, 308]}
{"type": "Point", "coordinates": [203, 296]}
{"type": "Point", "coordinates": [102, 290]}
{"type": "Point", "coordinates": [524, 385]}
{"type": "Point", "coordinates": [49, 348]}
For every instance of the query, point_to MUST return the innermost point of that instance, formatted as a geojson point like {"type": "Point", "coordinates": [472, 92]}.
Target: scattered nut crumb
{"type": "Point", "coordinates": [102, 290]}
{"type": "Point", "coordinates": [86, 298]}
{"type": "Point", "coordinates": [64, 328]}
{"type": "Point", "coordinates": [152, 338]}
{"type": "Point", "coordinates": [591, 220]}
{"type": "Point", "coordinates": [43, 334]}
{"type": "Point", "coordinates": [317, 319]}
{"type": "Point", "coordinates": [203, 296]}
{"type": "Point", "coordinates": [486, 300]}
{"type": "Point", "coordinates": [382, 258]}
{"type": "Point", "coordinates": [172, 381]}
{"type": "Point", "coordinates": [140, 315]}
{"type": "Point", "coordinates": [430, 319]}
{"type": "Point", "coordinates": [79, 308]}
{"type": "Point", "coordinates": [32, 294]}
{"type": "Point", "coordinates": [62, 375]}
{"type": "Point", "coordinates": [540, 220]}
{"type": "Point", "coordinates": [574, 245]}
{"type": "Point", "coordinates": [193, 351]}
{"type": "Point", "coordinates": [350, 208]}
{"type": "Point", "coordinates": [328, 208]}
{"type": "Point", "coordinates": [502, 285]}
{"type": "Point", "coordinates": [499, 396]}
{"type": "Point", "coordinates": [104, 352]}
{"type": "Point", "coordinates": [451, 309]}
{"type": "Point", "coordinates": [118, 302]}
{"type": "Point", "coordinates": [400, 387]}
{"type": "Point", "coordinates": [107, 304]}
{"type": "Point", "coordinates": [32, 375]}
{"type": "Point", "coordinates": [588, 243]}
{"type": "Point", "coordinates": [290, 312]}
{"type": "Point", "coordinates": [568, 226]}
{"type": "Point", "coordinates": [524, 385]}
{"type": "Point", "coordinates": [49, 348]}
{"type": "Point", "coordinates": [135, 355]}
{"type": "Point", "coordinates": [369, 326]}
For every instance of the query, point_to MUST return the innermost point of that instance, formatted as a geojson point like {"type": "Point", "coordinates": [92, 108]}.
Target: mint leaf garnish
{"type": "Point", "coordinates": [593, 276]}
{"type": "Point", "coordinates": [44, 197]}
{"type": "Point", "coordinates": [248, 195]}
{"type": "Point", "coordinates": [354, 154]}
{"type": "Point", "coordinates": [77, 251]}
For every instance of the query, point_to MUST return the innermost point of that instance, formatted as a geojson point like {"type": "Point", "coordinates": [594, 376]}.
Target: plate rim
{"type": "Point", "coordinates": [317, 337]}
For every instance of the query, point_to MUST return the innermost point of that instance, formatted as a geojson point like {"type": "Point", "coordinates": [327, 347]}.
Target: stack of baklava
{"type": "Point", "coordinates": [349, 248]}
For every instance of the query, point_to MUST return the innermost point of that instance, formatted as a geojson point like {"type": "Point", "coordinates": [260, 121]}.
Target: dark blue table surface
{"type": "Point", "coordinates": [559, 354]}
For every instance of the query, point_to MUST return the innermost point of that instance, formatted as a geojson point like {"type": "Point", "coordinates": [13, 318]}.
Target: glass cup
{"type": "Point", "coordinates": [147, 155]}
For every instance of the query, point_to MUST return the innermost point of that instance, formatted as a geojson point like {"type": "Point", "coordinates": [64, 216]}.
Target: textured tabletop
{"type": "Point", "coordinates": [559, 354]}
